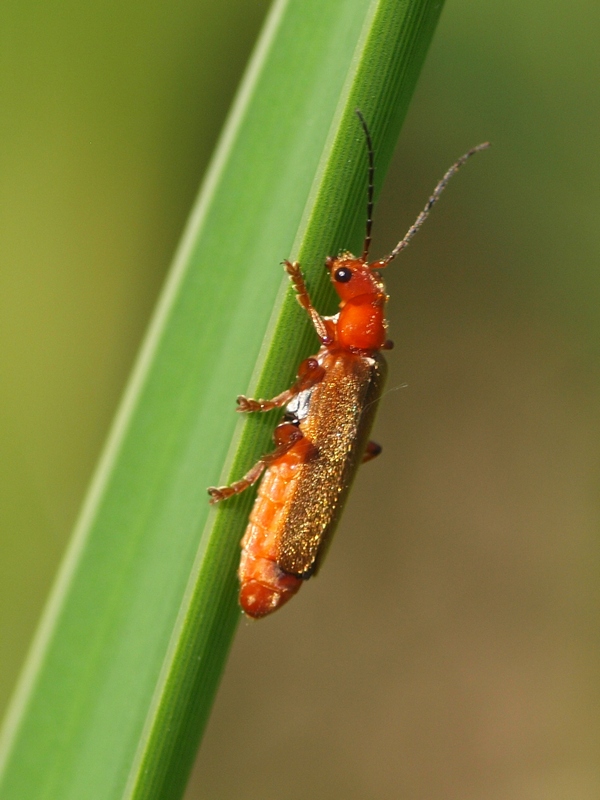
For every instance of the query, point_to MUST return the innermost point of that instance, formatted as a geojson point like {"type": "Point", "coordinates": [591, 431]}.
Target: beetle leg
{"type": "Point", "coordinates": [310, 372]}
{"type": "Point", "coordinates": [295, 272]}
{"type": "Point", "coordinates": [372, 450]}
{"type": "Point", "coordinates": [286, 435]}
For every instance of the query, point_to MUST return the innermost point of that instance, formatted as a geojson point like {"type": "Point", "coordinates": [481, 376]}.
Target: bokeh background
{"type": "Point", "coordinates": [449, 649]}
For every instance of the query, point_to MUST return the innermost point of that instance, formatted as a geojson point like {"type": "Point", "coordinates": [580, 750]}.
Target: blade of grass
{"type": "Point", "coordinates": [124, 668]}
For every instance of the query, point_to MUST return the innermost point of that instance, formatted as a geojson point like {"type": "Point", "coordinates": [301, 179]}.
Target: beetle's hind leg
{"type": "Point", "coordinates": [286, 435]}
{"type": "Point", "coordinates": [310, 372]}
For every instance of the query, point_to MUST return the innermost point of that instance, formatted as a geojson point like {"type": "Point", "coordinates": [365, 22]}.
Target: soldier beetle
{"type": "Point", "coordinates": [324, 435]}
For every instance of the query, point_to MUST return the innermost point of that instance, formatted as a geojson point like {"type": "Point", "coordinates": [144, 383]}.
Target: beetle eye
{"type": "Point", "coordinates": [343, 275]}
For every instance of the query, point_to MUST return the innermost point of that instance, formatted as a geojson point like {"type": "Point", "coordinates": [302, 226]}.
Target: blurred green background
{"type": "Point", "coordinates": [449, 649]}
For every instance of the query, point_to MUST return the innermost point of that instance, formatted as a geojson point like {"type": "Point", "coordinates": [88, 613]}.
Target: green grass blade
{"type": "Point", "coordinates": [124, 668]}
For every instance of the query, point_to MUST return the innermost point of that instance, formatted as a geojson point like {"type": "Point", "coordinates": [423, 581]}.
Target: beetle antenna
{"type": "Point", "coordinates": [370, 190]}
{"type": "Point", "coordinates": [430, 203]}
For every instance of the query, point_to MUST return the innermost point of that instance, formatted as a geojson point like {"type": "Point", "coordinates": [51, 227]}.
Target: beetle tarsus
{"type": "Point", "coordinates": [248, 405]}
{"type": "Point", "coordinates": [218, 493]}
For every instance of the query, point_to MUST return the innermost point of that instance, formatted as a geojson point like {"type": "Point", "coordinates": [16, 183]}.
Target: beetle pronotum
{"type": "Point", "coordinates": [324, 435]}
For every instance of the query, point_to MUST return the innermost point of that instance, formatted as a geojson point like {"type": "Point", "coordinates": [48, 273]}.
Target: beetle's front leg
{"type": "Point", "coordinates": [295, 272]}
{"type": "Point", "coordinates": [310, 372]}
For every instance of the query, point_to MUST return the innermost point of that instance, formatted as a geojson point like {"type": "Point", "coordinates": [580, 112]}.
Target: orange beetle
{"type": "Point", "coordinates": [329, 411]}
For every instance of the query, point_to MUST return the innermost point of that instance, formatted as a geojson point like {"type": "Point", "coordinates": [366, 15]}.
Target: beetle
{"type": "Point", "coordinates": [324, 435]}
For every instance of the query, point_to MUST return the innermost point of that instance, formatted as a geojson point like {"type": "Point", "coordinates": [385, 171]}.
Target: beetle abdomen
{"type": "Point", "coordinates": [264, 586]}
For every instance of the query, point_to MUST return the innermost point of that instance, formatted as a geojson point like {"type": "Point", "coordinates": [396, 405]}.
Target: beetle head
{"type": "Point", "coordinates": [353, 277]}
